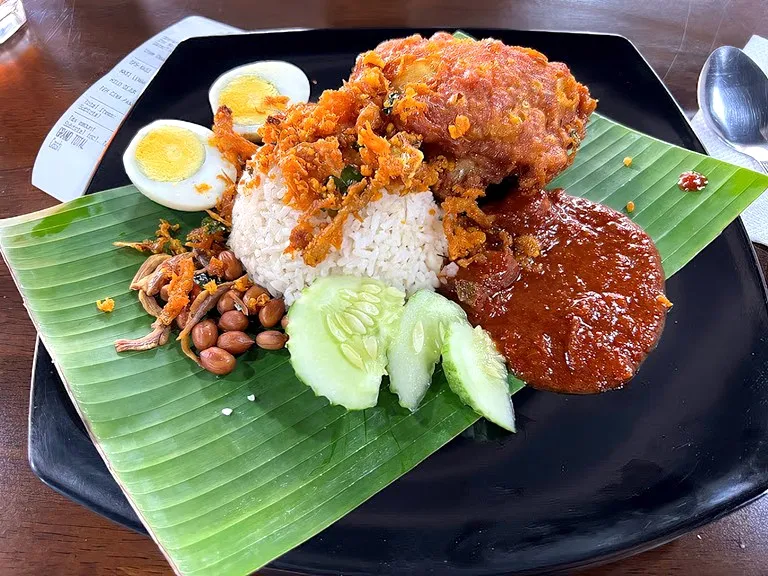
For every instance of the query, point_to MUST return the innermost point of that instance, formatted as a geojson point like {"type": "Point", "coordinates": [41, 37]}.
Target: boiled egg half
{"type": "Point", "coordinates": [173, 163]}
{"type": "Point", "coordinates": [255, 91]}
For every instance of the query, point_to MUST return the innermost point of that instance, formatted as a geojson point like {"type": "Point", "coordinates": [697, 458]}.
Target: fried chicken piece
{"type": "Point", "coordinates": [496, 110]}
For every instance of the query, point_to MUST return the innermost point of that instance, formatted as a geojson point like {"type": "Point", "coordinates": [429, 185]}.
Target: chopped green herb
{"type": "Point", "coordinates": [349, 175]}
{"type": "Point", "coordinates": [212, 226]}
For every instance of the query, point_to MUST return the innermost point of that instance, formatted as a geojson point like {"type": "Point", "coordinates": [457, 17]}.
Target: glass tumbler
{"type": "Point", "coordinates": [12, 17]}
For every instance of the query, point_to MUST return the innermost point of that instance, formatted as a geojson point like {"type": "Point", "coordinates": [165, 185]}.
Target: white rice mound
{"type": "Point", "coordinates": [399, 240]}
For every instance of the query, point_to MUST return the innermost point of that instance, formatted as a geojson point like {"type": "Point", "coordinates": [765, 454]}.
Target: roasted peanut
{"type": "Point", "coordinates": [181, 319]}
{"type": "Point", "coordinates": [272, 312]}
{"type": "Point", "coordinates": [205, 334]}
{"type": "Point", "coordinates": [234, 320]}
{"type": "Point", "coordinates": [227, 301]}
{"type": "Point", "coordinates": [235, 342]}
{"type": "Point", "coordinates": [217, 361]}
{"type": "Point", "coordinates": [254, 299]}
{"type": "Point", "coordinates": [271, 340]}
{"type": "Point", "coordinates": [164, 293]}
{"type": "Point", "coordinates": [284, 322]}
{"type": "Point", "coordinates": [233, 269]}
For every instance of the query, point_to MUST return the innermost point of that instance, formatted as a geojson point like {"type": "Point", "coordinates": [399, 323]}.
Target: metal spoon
{"type": "Point", "coordinates": [733, 95]}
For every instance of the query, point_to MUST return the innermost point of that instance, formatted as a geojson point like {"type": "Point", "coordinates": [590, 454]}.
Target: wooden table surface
{"type": "Point", "coordinates": [68, 44]}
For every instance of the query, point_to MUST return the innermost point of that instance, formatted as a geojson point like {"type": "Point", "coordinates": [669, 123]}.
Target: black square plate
{"type": "Point", "coordinates": [586, 479]}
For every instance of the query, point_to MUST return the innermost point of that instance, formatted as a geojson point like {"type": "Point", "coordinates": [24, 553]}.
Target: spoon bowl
{"type": "Point", "coordinates": [733, 96]}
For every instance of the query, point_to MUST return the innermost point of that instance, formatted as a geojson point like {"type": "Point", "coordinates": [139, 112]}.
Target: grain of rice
{"type": "Point", "coordinates": [405, 255]}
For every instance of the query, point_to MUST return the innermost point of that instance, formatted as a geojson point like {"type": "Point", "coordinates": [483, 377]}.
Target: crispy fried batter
{"type": "Point", "coordinates": [242, 284]}
{"type": "Point", "coordinates": [506, 110]}
{"type": "Point", "coordinates": [216, 267]}
{"type": "Point", "coordinates": [178, 290]}
{"type": "Point", "coordinates": [234, 147]}
{"type": "Point", "coordinates": [313, 143]}
{"type": "Point", "coordinates": [225, 202]}
{"type": "Point", "coordinates": [443, 114]}
{"type": "Point", "coordinates": [106, 305]}
{"type": "Point", "coordinates": [205, 241]}
{"type": "Point", "coordinates": [163, 242]}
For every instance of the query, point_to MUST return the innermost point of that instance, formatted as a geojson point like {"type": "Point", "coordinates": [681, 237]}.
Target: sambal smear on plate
{"type": "Point", "coordinates": [580, 310]}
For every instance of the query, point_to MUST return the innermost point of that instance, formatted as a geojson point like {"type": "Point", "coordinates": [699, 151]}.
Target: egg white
{"type": "Point", "coordinates": [181, 195]}
{"type": "Point", "coordinates": [289, 80]}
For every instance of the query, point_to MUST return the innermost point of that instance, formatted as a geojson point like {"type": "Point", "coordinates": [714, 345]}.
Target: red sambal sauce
{"type": "Point", "coordinates": [582, 315]}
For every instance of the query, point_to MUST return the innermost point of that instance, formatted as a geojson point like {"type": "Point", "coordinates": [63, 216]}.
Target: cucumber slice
{"type": "Point", "coordinates": [477, 373]}
{"type": "Point", "coordinates": [339, 331]}
{"type": "Point", "coordinates": [417, 343]}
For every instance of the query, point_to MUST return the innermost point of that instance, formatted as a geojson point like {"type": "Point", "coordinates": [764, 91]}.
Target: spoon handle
{"type": "Point", "coordinates": [758, 153]}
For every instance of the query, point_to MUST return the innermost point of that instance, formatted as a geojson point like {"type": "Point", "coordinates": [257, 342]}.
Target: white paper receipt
{"type": "Point", "coordinates": [75, 144]}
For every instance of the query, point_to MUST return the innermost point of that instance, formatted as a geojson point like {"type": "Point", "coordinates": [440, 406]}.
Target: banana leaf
{"type": "Point", "coordinates": [224, 495]}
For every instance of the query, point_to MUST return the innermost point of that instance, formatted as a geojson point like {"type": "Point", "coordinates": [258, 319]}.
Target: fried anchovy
{"type": "Point", "coordinates": [203, 260]}
{"type": "Point", "coordinates": [149, 303]}
{"type": "Point", "coordinates": [149, 266]}
{"type": "Point", "coordinates": [151, 283]}
{"type": "Point", "coordinates": [239, 304]}
{"type": "Point", "coordinates": [202, 305]}
{"type": "Point", "coordinates": [157, 337]}
{"type": "Point", "coordinates": [187, 350]}
{"type": "Point", "coordinates": [165, 336]}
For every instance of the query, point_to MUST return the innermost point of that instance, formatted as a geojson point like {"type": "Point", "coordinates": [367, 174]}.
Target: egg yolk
{"type": "Point", "coordinates": [251, 99]}
{"type": "Point", "coordinates": [170, 154]}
